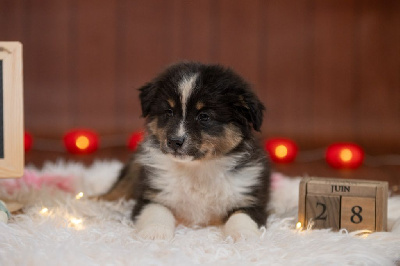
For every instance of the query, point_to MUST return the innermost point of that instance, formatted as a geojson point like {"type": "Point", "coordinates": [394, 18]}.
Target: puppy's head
{"type": "Point", "coordinates": [197, 111]}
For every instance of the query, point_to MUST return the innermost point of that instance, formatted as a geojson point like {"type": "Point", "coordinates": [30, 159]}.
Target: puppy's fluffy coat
{"type": "Point", "coordinates": [199, 163]}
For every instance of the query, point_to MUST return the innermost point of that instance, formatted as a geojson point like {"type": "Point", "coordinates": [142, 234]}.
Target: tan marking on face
{"type": "Point", "coordinates": [162, 136]}
{"type": "Point", "coordinates": [220, 145]}
{"type": "Point", "coordinates": [171, 103]}
{"type": "Point", "coordinates": [160, 133]}
{"type": "Point", "coordinates": [152, 126]}
{"type": "Point", "coordinates": [199, 105]}
{"type": "Point", "coordinates": [233, 136]}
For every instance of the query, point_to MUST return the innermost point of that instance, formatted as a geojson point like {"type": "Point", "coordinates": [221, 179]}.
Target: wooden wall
{"type": "Point", "coordinates": [327, 70]}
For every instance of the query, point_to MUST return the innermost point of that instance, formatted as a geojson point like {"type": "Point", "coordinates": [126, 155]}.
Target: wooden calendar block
{"type": "Point", "coordinates": [323, 211]}
{"type": "Point", "coordinates": [358, 213]}
{"type": "Point", "coordinates": [343, 203]}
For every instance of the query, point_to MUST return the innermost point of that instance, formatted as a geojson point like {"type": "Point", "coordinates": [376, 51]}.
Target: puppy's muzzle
{"type": "Point", "coordinates": [175, 143]}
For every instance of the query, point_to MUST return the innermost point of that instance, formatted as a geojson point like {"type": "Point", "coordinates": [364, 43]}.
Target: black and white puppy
{"type": "Point", "coordinates": [199, 163]}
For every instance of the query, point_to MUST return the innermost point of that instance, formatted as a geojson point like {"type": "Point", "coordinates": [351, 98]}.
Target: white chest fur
{"type": "Point", "coordinates": [200, 192]}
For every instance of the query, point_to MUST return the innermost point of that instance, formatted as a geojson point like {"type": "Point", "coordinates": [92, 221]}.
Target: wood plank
{"type": "Point", "coordinates": [285, 67]}
{"type": "Point", "coordinates": [334, 93]}
{"type": "Point", "coordinates": [46, 58]}
{"type": "Point", "coordinates": [94, 94]}
{"type": "Point", "coordinates": [239, 26]}
{"type": "Point", "coordinates": [192, 30]}
{"type": "Point", "coordinates": [12, 20]}
{"type": "Point", "coordinates": [377, 78]}
{"type": "Point", "coordinates": [144, 48]}
{"type": "Point", "coordinates": [127, 108]}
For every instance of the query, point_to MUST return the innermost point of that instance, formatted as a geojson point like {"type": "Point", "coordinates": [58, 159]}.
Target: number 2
{"type": "Point", "coordinates": [321, 215]}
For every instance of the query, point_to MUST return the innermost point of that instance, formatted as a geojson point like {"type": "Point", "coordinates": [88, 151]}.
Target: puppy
{"type": "Point", "coordinates": [199, 163]}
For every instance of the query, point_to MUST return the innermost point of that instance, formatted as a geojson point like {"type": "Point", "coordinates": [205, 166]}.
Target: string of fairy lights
{"type": "Point", "coordinates": [73, 221]}
{"type": "Point", "coordinates": [340, 155]}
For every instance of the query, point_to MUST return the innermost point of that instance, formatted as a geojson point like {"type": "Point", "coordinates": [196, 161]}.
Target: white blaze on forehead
{"type": "Point", "coordinates": [186, 87]}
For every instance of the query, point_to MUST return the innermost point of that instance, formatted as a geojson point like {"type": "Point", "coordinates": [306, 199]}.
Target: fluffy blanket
{"type": "Point", "coordinates": [60, 227]}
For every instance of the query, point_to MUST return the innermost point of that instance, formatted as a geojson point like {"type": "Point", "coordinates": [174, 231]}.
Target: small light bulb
{"type": "Point", "coordinates": [44, 210]}
{"type": "Point", "coordinates": [346, 155]}
{"type": "Point", "coordinates": [281, 151]}
{"type": "Point", "coordinates": [298, 225]}
{"type": "Point", "coordinates": [76, 221]}
{"type": "Point", "coordinates": [363, 233]}
{"type": "Point", "coordinates": [82, 142]}
{"type": "Point", "coordinates": [79, 195]}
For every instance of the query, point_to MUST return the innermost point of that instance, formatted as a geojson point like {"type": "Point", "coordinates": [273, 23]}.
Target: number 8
{"type": "Point", "coordinates": [356, 214]}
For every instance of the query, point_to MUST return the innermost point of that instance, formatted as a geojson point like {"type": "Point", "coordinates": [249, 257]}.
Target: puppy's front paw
{"type": "Point", "coordinates": [156, 222]}
{"type": "Point", "coordinates": [243, 233]}
{"type": "Point", "coordinates": [241, 226]}
{"type": "Point", "coordinates": [156, 232]}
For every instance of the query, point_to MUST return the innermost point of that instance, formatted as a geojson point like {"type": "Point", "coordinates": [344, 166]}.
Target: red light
{"type": "Point", "coordinates": [281, 150]}
{"type": "Point", "coordinates": [28, 141]}
{"type": "Point", "coordinates": [135, 139]}
{"type": "Point", "coordinates": [81, 141]}
{"type": "Point", "coordinates": [344, 155]}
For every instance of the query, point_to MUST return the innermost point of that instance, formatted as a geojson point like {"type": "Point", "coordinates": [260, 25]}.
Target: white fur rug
{"type": "Point", "coordinates": [84, 232]}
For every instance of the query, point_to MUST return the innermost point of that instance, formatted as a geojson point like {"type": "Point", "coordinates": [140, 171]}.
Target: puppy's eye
{"type": "Point", "coordinates": [169, 113]}
{"type": "Point", "coordinates": [203, 117]}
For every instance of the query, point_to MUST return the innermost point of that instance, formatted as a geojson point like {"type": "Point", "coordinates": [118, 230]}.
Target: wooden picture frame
{"type": "Point", "coordinates": [11, 111]}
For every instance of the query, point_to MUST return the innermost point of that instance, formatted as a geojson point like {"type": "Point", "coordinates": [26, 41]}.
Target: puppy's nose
{"type": "Point", "coordinates": [176, 142]}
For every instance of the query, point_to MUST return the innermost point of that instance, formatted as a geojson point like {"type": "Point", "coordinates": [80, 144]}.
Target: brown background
{"type": "Point", "coordinates": [326, 70]}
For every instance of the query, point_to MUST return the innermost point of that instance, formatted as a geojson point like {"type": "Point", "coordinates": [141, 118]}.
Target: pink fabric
{"type": "Point", "coordinates": [33, 180]}
{"type": "Point", "coordinates": [276, 180]}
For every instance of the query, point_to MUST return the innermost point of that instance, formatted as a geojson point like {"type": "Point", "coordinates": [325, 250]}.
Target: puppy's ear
{"type": "Point", "coordinates": [147, 95]}
{"type": "Point", "coordinates": [252, 109]}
